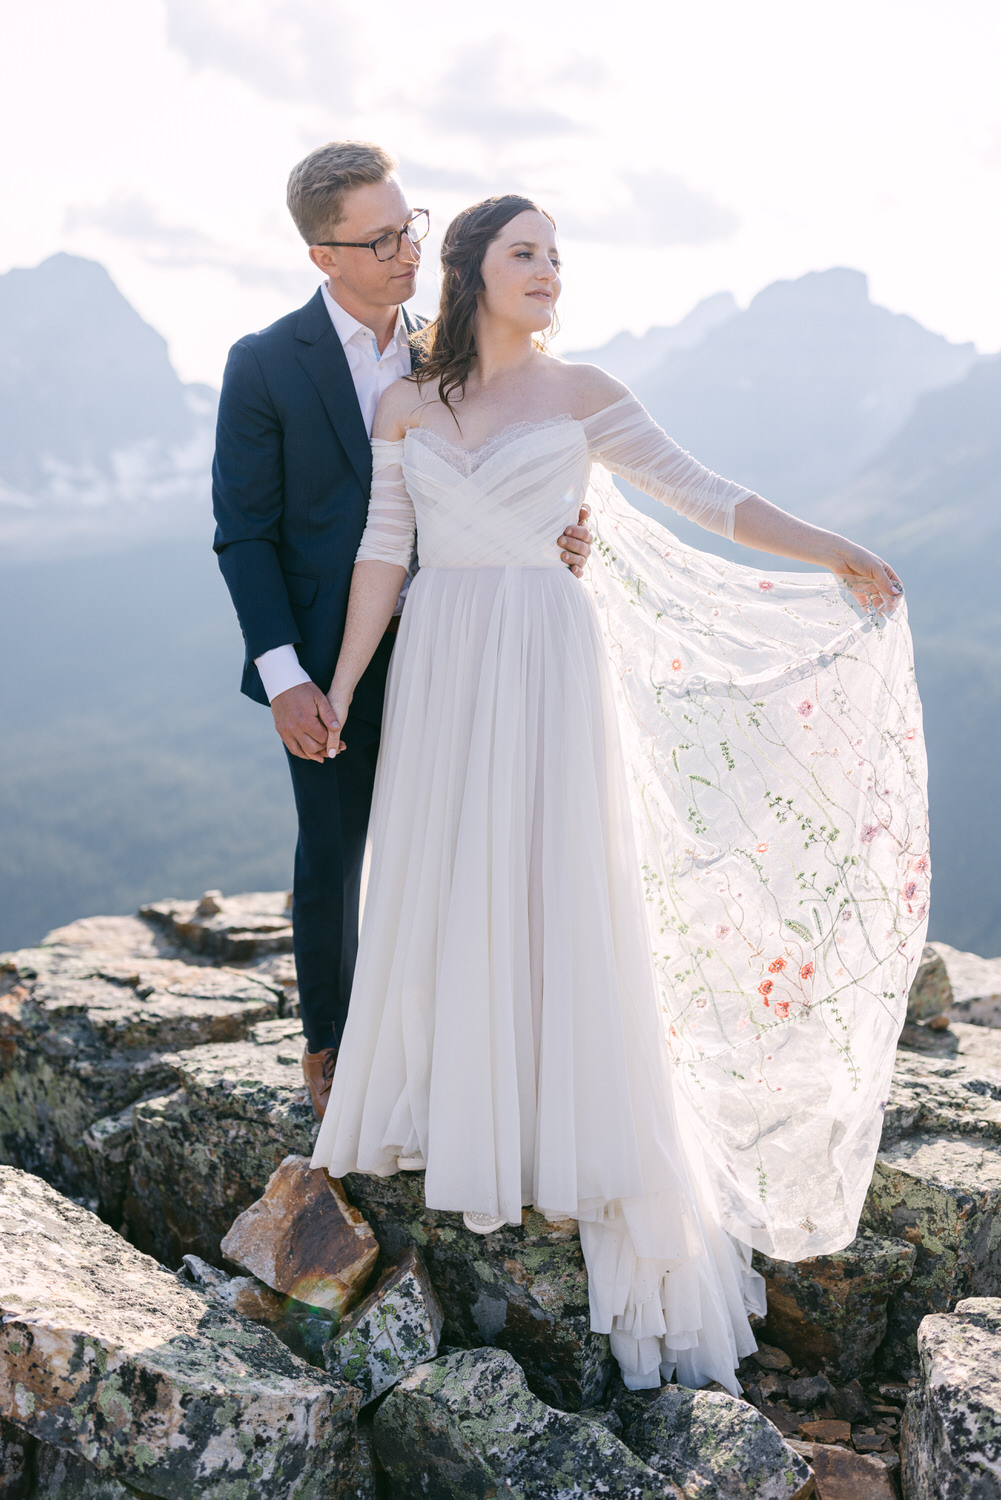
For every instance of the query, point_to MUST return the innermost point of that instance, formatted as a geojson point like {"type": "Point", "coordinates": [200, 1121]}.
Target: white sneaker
{"type": "Point", "coordinates": [482, 1223]}
{"type": "Point", "coordinates": [413, 1163]}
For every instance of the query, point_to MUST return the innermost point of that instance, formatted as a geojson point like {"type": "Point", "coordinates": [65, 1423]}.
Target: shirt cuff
{"type": "Point", "coordinates": [280, 670]}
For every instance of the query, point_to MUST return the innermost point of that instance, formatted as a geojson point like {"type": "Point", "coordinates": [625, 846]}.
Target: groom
{"type": "Point", "coordinates": [291, 481]}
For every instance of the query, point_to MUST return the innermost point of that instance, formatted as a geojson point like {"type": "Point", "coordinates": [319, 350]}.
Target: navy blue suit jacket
{"type": "Point", "coordinates": [290, 489]}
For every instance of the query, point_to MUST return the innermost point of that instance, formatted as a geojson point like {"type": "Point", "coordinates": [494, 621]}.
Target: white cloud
{"type": "Point", "coordinates": [488, 94]}
{"type": "Point", "coordinates": [129, 217]}
{"type": "Point", "coordinates": [302, 51]}
{"type": "Point", "coordinates": [657, 209]}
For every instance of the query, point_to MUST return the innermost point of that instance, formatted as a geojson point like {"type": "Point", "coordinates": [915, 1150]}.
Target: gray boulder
{"type": "Point", "coordinates": [952, 1424]}
{"type": "Point", "coordinates": [396, 1328]}
{"type": "Point", "coordinates": [467, 1425]}
{"type": "Point", "coordinates": [106, 1355]}
{"type": "Point", "coordinates": [714, 1446]}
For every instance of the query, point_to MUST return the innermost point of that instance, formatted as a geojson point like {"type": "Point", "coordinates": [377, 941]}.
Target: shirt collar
{"type": "Point", "coordinates": [347, 326]}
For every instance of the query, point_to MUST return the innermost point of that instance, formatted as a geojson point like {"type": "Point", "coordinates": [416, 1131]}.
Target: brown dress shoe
{"type": "Point", "coordinates": [318, 1071]}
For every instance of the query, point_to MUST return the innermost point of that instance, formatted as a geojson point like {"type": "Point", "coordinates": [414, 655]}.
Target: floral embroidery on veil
{"type": "Point", "coordinates": [772, 733]}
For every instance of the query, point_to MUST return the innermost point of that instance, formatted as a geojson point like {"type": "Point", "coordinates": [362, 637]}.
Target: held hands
{"type": "Point", "coordinates": [576, 544]}
{"type": "Point", "coordinates": [340, 702]}
{"type": "Point", "coordinates": [872, 582]}
{"type": "Point", "coordinates": [305, 721]}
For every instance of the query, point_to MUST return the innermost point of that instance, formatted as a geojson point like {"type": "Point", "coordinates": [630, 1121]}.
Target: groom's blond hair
{"type": "Point", "coordinates": [318, 185]}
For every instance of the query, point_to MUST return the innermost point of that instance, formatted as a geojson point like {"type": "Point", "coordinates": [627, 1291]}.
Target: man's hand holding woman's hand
{"type": "Point", "coordinates": [305, 721]}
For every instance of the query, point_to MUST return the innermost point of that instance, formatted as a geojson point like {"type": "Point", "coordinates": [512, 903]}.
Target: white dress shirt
{"type": "Point", "coordinates": [371, 372]}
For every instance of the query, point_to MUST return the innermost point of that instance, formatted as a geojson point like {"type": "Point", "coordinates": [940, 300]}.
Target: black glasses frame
{"type": "Point", "coordinates": [382, 239]}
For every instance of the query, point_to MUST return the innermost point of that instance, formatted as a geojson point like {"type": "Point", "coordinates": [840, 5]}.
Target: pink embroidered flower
{"type": "Point", "coordinates": [910, 734]}
{"type": "Point", "coordinates": [806, 972]}
{"type": "Point", "coordinates": [921, 865]}
{"type": "Point", "coordinates": [722, 930]}
{"type": "Point", "coordinates": [676, 664]}
{"type": "Point", "coordinates": [762, 848]}
{"type": "Point", "coordinates": [765, 987]}
{"type": "Point", "coordinates": [805, 708]}
{"type": "Point", "coordinates": [871, 831]}
{"type": "Point", "coordinates": [765, 583]}
{"type": "Point", "coordinates": [910, 890]}
{"type": "Point", "coordinates": [776, 966]}
{"type": "Point", "coordinates": [782, 1009]}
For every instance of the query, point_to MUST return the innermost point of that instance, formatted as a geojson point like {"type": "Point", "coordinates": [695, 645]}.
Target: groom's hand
{"type": "Point", "coordinates": [305, 721]}
{"type": "Point", "coordinates": [576, 544]}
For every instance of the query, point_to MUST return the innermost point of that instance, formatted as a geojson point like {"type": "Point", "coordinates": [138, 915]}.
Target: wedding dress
{"type": "Point", "coordinates": [648, 882]}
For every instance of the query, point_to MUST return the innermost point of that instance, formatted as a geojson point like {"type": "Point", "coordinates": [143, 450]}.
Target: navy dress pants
{"type": "Point", "coordinates": [333, 801]}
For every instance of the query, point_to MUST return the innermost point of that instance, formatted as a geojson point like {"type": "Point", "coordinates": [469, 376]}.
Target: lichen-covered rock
{"type": "Point", "coordinates": [714, 1447]}
{"type": "Point", "coordinates": [304, 1329]}
{"type": "Point", "coordinates": [829, 1312]}
{"type": "Point", "coordinates": [15, 1462]}
{"type": "Point", "coordinates": [931, 990]}
{"type": "Point", "coordinates": [396, 1328]}
{"type": "Point", "coordinates": [304, 1239]}
{"type": "Point", "coordinates": [467, 1425]}
{"type": "Point", "coordinates": [229, 928]}
{"type": "Point", "coordinates": [64, 1476]}
{"type": "Point", "coordinates": [108, 1356]}
{"type": "Point", "coordinates": [85, 1021]}
{"type": "Point", "coordinates": [951, 1448]}
{"type": "Point", "coordinates": [522, 1288]}
{"type": "Point", "coordinates": [204, 1152]}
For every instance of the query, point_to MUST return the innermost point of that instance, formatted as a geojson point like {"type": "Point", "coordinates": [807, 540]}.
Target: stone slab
{"type": "Point", "coordinates": [467, 1425]}
{"type": "Point", "coordinates": [395, 1328]}
{"type": "Point", "coordinates": [830, 1312]}
{"type": "Point", "coordinates": [106, 1355]}
{"type": "Point", "coordinates": [84, 1032]}
{"type": "Point", "coordinates": [227, 928]}
{"type": "Point", "coordinates": [204, 1152]}
{"type": "Point", "coordinates": [303, 1329]}
{"type": "Point", "coordinates": [522, 1288]}
{"type": "Point", "coordinates": [714, 1446]}
{"type": "Point", "coordinates": [951, 1441]}
{"type": "Point", "coordinates": [304, 1239]}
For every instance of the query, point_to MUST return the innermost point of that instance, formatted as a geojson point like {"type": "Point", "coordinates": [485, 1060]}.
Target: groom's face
{"type": "Point", "coordinates": [369, 211]}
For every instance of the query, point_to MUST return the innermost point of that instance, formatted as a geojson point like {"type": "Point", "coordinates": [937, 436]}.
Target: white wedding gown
{"type": "Point", "coordinates": [598, 971]}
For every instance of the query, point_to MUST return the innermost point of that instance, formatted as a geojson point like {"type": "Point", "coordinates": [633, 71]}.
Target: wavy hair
{"type": "Point", "coordinates": [445, 348]}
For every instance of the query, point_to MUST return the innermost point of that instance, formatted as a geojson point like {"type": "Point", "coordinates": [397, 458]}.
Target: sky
{"type": "Point", "coordinates": [684, 148]}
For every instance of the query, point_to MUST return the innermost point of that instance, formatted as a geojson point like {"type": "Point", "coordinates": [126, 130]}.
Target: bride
{"type": "Point", "coordinates": [704, 785]}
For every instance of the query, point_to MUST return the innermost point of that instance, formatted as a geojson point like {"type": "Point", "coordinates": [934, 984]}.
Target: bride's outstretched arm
{"type": "Point", "coordinates": [624, 437]}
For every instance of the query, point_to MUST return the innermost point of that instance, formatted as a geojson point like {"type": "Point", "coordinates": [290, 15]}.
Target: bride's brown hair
{"type": "Point", "coordinates": [446, 347]}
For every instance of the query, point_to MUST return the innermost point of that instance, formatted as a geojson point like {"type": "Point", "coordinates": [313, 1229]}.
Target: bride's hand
{"type": "Point", "coordinates": [340, 702]}
{"type": "Point", "coordinates": [873, 582]}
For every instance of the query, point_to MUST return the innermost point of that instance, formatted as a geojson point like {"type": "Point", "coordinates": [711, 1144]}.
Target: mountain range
{"type": "Point", "coordinates": [129, 766]}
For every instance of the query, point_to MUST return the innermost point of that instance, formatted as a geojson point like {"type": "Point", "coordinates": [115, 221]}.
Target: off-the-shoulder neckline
{"type": "Point", "coordinates": [564, 416]}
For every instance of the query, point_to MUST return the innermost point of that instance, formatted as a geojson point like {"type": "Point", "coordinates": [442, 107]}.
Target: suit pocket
{"type": "Point", "coordinates": [301, 591]}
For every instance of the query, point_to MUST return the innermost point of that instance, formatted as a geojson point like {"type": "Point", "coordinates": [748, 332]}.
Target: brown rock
{"type": "Point", "coordinates": [843, 1475]}
{"type": "Point", "coordinates": [871, 1442]}
{"type": "Point", "coordinates": [827, 1430]}
{"type": "Point", "coordinates": [303, 1238]}
{"type": "Point", "coordinates": [232, 928]}
{"type": "Point", "coordinates": [779, 1417]}
{"type": "Point", "coordinates": [771, 1359]}
{"type": "Point", "coordinates": [931, 993]}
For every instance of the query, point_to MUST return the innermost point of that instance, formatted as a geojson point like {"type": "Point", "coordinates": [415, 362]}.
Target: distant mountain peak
{"type": "Point", "coordinates": [836, 288]}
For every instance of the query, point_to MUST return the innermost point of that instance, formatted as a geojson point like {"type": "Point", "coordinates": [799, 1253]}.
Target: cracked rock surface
{"type": "Point", "coordinates": [952, 1426]}
{"type": "Point", "coordinates": [105, 1355]}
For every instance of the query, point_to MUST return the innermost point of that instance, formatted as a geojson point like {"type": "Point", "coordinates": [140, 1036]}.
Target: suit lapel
{"type": "Point", "coordinates": [322, 357]}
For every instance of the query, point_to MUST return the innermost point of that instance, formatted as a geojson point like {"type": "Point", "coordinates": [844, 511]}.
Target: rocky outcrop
{"type": "Point", "coordinates": [304, 1329]}
{"type": "Point", "coordinates": [522, 1288]}
{"type": "Point", "coordinates": [712, 1447]}
{"type": "Point", "coordinates": [87, 1021]}
{"type": "Point", "coordinates": [395, 1329]}
{"type": "Point", "coordinates": [974, 985]}
{"type": "Point", "coordinates": [227, 928]}
{"type": "Point", "coordinates": [469, 1425]}
{"type": "Point", "coordinates": [109, 1357]}
{"type": "Point", "coordinates": [304, 1239]}
{"type": "Point", "coordinates": [937, 1183]}
{"type": "Point", "coordinates": [952, 1428]}
{"type": "Point", "coordinates": [830, 1312]}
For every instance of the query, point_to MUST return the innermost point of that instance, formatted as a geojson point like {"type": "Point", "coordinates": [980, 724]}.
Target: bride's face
{"type": "Point", "coordinates": [521, 273]}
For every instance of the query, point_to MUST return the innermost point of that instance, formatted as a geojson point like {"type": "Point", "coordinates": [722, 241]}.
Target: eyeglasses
{"type": "Point", "coordinates": [388, 244]}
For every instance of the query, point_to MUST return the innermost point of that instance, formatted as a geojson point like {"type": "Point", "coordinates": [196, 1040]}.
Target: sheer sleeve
{"type": "Point", "coordinates": [625, 439]}
{"type": "Point", "coordinates": [391, 527]}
